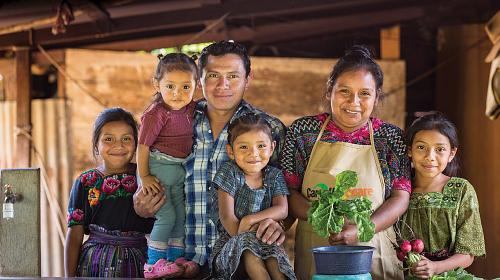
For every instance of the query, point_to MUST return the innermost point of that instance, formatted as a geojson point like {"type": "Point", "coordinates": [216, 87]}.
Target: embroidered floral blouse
{"type": "Point", "coordinates": [448, 222]}
{"type": "Point", "coordinates": [105, 201]}
{"type": "Point", "coordinates": [388, 140]}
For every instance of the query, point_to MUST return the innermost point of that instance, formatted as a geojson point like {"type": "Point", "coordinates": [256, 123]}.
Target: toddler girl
{"type": "Point", "coordinates": [248, 192]}
{"type": "Point", "coordinates": [165, 140]}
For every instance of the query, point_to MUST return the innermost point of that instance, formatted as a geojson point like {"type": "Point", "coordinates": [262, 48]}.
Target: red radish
{"type": "Point", "coordinates": [401, 255]}
{"type": "Point", "coordinates": [405, 246]}
{"type": "Point", "coordinates": [417, 245]}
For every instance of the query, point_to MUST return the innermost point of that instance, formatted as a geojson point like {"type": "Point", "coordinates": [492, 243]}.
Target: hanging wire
{"type": "Point", "coordinates": [435, 68]}
{"type": "Point", "coordinates": [67, 76]}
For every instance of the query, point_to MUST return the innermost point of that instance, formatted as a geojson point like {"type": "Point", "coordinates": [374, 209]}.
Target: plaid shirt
{"type": "Point", "coordinates": [208, 155]}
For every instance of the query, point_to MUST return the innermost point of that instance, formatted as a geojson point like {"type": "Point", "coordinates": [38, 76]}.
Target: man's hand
{"type": "Point", "coordinates": [270, 231]}
{"type": "Point", "coordinates": [245, 224]}
{"type": "Point", "coordinates": [146, 205]}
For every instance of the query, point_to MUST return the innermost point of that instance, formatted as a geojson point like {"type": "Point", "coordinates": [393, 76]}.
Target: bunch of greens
{"type": "Point", "coordinates": [457, 274]}
{"type": "Point", "coordinates": [328, 213]}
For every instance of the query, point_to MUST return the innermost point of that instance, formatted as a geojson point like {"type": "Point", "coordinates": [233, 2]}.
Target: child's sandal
{"type": "Point", "coordinates": [191, 268]}
{"type": "Point", "coordinates": [163, 269]}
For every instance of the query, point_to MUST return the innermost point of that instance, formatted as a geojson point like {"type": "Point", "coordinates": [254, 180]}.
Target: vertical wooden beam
{"type": "Point", "coordinates": [390, 46]}
{"type": "Point", "coordinates": [23, 107]}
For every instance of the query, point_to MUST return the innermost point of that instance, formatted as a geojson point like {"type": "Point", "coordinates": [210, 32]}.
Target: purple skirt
{"type": "Point", "coordinates": [112, 254]}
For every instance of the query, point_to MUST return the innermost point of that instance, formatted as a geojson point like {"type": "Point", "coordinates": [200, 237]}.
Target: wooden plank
{"type": "Point", "coordinates": [160, 23]}
{"type": "Point", "coordinates": [20, 236]}
{"type": "Point", "coordinates": [7, 70]}
{"type": "Point", "coordinates": [23, 107]}
{"type": "Point", "coordinates": [390, 43]}
{"type": "Point", "coordinates": [7, 143]}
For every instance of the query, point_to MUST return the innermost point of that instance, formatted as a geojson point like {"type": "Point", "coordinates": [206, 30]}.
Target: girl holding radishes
{"type": "Point", "coordinates": [444, 211]}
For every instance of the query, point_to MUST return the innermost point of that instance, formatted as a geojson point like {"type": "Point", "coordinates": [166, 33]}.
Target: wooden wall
{"type": "Point", "coordinates": [285, 87]}
{"type": "Point", "coordinates": [461, 94]}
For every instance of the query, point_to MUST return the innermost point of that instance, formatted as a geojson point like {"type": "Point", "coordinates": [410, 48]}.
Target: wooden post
{"type": "Point", "coordinates": [20, 236]}
{"type": "Point", "coordinates": [390, 43]}
{"type": "Point", "coordinates": [23, 107]}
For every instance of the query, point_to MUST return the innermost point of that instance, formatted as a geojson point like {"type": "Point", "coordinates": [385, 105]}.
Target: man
{"type": "Point", "coordinates": [225, 75]}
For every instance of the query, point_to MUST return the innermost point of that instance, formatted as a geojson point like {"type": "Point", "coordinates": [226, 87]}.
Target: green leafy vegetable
{"type": "Point", "coordinates": [456, 274]}
{"type": "Point", "coordinates": [328, 213]}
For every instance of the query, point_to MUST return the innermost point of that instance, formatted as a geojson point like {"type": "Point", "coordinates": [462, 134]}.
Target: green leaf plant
{"type": "Point", "coordinates": [328, 214]}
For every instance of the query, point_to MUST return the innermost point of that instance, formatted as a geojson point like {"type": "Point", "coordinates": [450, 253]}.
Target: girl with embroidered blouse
{"type": "Point", "coordinates": [443, 210]}
{"type": "Point", "coordinates": [165, 142]}
{"type": "Point", "coordinates": [100, 205]}
{"type": "Point", "coordinates": [247, 190]}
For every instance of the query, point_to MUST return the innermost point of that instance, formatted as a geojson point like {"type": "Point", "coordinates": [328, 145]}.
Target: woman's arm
{"type": "Point", "coordinates": [226, 212]}
{"type": "Point", "coordinates": [389, 212]}
{"type": "Point", "coordinates": [74, 238]}
{"type": "Point", "coordinates": [299, 205]}
{"type": "Point", "coordinates": [278, 212]}
{"type": "Point", "coordinates": [385, 216]}
{"type": "Point", "coordinates": [425, 268]}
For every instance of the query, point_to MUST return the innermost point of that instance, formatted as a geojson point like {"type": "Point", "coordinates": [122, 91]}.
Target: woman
{"type": "Point", "coordinates": [319, 147]}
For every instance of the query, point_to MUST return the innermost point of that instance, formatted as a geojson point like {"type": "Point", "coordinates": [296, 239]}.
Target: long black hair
{"type": "Point", "coordinates": [439, 122]}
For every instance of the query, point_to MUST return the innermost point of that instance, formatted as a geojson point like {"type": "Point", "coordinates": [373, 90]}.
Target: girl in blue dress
{"type": "Point", "coordinates": [247, 192]}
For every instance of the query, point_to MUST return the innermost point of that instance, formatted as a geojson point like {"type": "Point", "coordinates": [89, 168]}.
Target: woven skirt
{"type": "Point", "coordinates": [112, 254]}
{"type": "Point", "coordinates": [228, 250]}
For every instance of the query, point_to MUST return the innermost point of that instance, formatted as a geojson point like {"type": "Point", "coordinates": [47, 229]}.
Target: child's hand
{"type": "Point", "coordinates": [424, 269]}
{"type": "Point", "coordinates": [245, 224]}
{"type": "Point", "coordinates": [150, 184]}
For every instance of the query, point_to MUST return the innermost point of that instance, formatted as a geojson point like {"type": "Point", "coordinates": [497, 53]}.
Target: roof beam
{"type": "Point", "coordinates": [161, 23]}
{"type": "Point", "coordinates": [274, 33]}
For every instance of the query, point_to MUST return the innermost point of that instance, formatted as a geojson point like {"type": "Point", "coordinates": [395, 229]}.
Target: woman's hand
{"type": "Point", "coordinates": [150, 184]}
{"type": "Point", "coordinates": [425, 268]}
{"type": "Point", "coordinates": [348, 236]}
{"type": "Point", "coordinates": [146, 205]}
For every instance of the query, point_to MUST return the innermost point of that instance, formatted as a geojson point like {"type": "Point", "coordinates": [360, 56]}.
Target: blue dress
{"type": "Point", "coordinates": [227, 251]}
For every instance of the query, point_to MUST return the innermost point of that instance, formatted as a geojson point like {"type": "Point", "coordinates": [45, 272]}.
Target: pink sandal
{"type": "Point", "coordinates": [191, 268]}
{"type": "Point", "coordinates": [163, 269]}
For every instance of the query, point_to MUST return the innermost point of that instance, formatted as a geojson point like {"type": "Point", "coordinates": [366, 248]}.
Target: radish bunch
{"type": "Point", "coordinates": [409, 252]}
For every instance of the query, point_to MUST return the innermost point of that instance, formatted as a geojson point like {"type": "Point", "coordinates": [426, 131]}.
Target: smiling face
{"type": "Point", "coordinates": [176, 88]}
{"type": "Point", "coordinates": [251, 151]}
{"type": "Point", "coordinates": [116, 146]}
{"type": "Point", "coordinates": [352, 99]}
{"type": "Point", "coordinates": [224, 81]}
{"type": "Point", "coordinates": [430, 153]}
